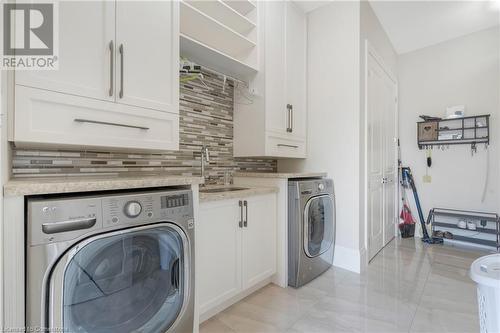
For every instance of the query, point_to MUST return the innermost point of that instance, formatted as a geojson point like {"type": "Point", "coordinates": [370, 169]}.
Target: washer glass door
{"type": "Point", "coordinates": [128, 282]}
{"type": "Point", "coordinates": [318, 225]}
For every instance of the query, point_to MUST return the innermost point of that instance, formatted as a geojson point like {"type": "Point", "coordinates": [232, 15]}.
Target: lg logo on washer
{"type": "Point", "coordinates": [29, 36]}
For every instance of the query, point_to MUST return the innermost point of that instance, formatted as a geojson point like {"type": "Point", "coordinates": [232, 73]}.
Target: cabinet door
{"type": "Point", "coordinates": [86, 29]}
{"type": "Point", "coordinates": [218, 254]}
{"type": "Point", "coordinates": [259, 240]}
{"type": "Point", "coordinates": [147, 35]}
{"type": "Point", "coordinates": [296, 68]}
{"type": "Point", "coordinates": [275, 104]}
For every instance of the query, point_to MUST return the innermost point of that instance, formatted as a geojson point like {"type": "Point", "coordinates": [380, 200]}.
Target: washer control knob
{"type": "Point", "coordinates": [132, 209]}
{"type": "Point", "coordinates": [321, 186]}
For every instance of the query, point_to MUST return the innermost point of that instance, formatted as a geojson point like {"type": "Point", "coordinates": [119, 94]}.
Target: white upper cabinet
{"type": "Point", "coordinates": [86, 30]}
{"type": "Point", "coordinates": [274, 122]}
{"type": "Point", "coordinates": [147, 54]}
{"type": "Point", "coordinates": [118, 81]}
{"type": "Point", "coordinates": [275, 70]}
{"type": "Point", "coordinates": [295, 73]}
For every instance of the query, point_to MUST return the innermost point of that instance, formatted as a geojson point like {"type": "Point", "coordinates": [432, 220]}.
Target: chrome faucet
{"type": "Point", "coordinates": [205, 157]}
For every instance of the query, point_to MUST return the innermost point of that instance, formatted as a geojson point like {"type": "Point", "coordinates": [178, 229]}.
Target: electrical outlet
{"type": "Point", "coordinates": [427, 179]}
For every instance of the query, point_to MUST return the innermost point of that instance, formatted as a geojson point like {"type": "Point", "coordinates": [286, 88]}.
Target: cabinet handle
{"type": "Point", "coordinates": [240, 224]}
{"type": "Point", "coordinates": [245, 223]}
{"type": "Point", "coordinates": [121, 70]}
{"type": "Point", "coordinates": [289, 122]}
{"type": "Point", "coordinates": [284, 145]}
{"type": "Point", "coordinates": [78, 120]}
{"type": "Point", "coordinates": [111, 68]}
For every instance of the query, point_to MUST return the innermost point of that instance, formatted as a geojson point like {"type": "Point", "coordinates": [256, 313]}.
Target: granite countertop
{"type": "Point", "coordinates": [206, 197]}
{"type": "Point", "coordinates": [37, 186]}
{"type": "Point", "coordinates": [286, 175]}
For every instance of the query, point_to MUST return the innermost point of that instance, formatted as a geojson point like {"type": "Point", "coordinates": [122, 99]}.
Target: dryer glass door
{"type": "Point", "coordinates": [318, 225]}
{"type": "Point", "coordinates": [131, 281]}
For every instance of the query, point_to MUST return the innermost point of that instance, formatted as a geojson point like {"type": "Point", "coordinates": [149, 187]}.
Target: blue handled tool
{"type": "Point", "coordinates": [407, 179]}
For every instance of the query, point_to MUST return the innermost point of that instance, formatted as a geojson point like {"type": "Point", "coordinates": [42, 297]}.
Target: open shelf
{"type": "Point", "coordinates": [467, 130]}
{"type": "Point", "coordinates": [488, 235]}
{"type": "Point", "coordinates": [241, 6]}
{"type": "Point", "coordinates": [207, 56]}
{"type": "Point", "coordinates": [224, 14]}
{"type": "Point", "coordinates": [207, 31]}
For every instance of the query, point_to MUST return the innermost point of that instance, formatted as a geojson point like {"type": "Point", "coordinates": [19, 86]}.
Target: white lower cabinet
{"type": "Point", "coordinates": [236, 249]}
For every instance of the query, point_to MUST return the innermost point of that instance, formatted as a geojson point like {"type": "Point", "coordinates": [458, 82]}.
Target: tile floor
{"type": "Point", "coordinates": [408, 287]}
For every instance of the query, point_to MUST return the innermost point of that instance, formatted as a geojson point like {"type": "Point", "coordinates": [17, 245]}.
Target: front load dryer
{"type": "Point", "coordinates": [311, 229]}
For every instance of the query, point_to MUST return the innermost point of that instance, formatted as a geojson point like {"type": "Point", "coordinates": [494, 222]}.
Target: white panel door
{"type": "Point", "coordinates": [375, 103]}
{"type": "Point", "coordinates": [218, 261]}
{"type": "Point", "coordinates": [382, 169]}
{"type": "Point", "coordinates": [390, 162]}
{"type": "Point", "coordinates": [147, 54]}
{"type": "Point", "coordinates": [86, 29]}
{"type": "Point", "coordinates": [295, 82]}
{"type": "Point", "coordinates": [259, 239]}
{"type": "Point", "coordinates": [275, 71]}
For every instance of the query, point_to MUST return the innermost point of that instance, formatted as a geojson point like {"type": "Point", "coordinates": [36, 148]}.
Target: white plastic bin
{"type": "Point", "coordinates": [485, 271]}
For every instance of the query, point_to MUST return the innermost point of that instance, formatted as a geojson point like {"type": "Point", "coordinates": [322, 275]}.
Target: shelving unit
{"type": "Point", "coordinates": [487, 232]}
{"type": "Point", "coordinates": [220, 35]}
{"type": "Point", "coordinates": [214, 59]}
{"type": "Point", "coordinates": [467, 130]}
{"type": "Point", "coordinates": [242, 7]}
{"type": "Point", "coordinates": [222, 12]}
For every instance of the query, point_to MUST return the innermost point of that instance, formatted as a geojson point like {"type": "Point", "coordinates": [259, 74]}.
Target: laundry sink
{"type": "Point", "coordinates": [222, 189]}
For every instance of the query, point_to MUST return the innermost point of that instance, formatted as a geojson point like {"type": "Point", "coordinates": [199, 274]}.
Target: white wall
{"type": "Point", "coordinates": [334, 119]}
{"type": "Point", "coordinates": [460, 71]}
{"type": "Point", "coordinates": [371, 30]}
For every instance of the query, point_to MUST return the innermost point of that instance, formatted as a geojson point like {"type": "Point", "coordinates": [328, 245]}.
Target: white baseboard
{"type": "Point", "coordinates": [349, 259]}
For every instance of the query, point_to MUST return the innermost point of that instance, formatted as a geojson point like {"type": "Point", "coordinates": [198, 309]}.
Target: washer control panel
{"type": "Point", "coordinates": [60, 219]}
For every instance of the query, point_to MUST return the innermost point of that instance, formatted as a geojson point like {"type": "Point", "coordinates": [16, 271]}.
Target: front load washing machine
{"type": "Point", "coordinates": [111, 263]}
{"type": "Point", "coordinates": [311, 229]}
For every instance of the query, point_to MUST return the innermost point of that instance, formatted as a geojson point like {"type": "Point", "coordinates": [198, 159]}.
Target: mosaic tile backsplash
{"type": "Point", "coordinates": [206, 117]}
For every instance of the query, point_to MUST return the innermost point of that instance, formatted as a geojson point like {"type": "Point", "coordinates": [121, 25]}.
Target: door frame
{"type": "Point", "coordinates": [370, 51]}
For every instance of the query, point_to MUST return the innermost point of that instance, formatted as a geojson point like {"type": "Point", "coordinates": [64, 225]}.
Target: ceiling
{"type": "Point", "coordinates": [412, 25]}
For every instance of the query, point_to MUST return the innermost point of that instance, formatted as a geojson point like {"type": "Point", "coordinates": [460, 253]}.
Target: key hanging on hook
{"type": "Point", "coordinates": [473, 148]}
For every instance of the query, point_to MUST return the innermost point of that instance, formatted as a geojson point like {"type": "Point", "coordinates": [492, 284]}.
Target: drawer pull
{"type": "Point", "coordinates": [288, 146]}
{"type": "Point", "coordinates": [78, 120]}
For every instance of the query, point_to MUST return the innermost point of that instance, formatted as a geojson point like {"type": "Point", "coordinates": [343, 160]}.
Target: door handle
{"type": "Point", "coordinates": [70, 225]}
{"type": "Point", "coordinates": [289, 125]}
{"type": "Point", "coordinates": [175, 274]}
{"type": "Point", "coordinates": [111, 68]}
{"type": "Point", "coordinates": [240, 224]}
{"type": "Point", "coordinates": [121, 69]}
{"type": "Point", "coordinates": [79, 120]}
{"type": "Point", "coordinates": [384, 180]}
{"type": "Point", "coordinates": [245, 222]}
